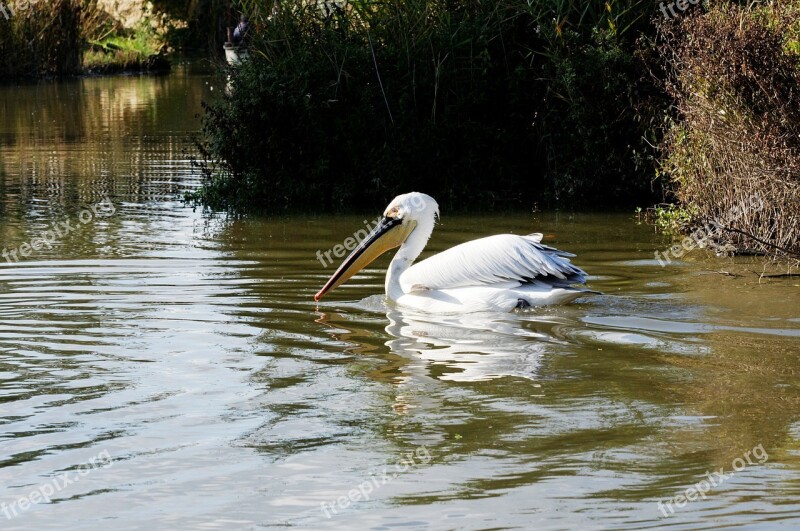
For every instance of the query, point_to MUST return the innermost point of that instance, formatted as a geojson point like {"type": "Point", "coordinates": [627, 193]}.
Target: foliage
{"type": "Point", "coordinates": [44, 38]}
{"type": "Point", "coordinates": [194, 23]}
{"type": "Point", "coordinates": [116, 51]}
{"type": "Point", "coordinates": [669, 218]}
{"type": "Point", "coordinates": [734, 74]}
{"type": "Point", "coordinates": [593, 130]}
{"type": "Point", "coordinates": [477, 103]}
{"type": "Point", "coordinates": [67, 37]}
{"type": "Point", "coordinates": [111, 47]}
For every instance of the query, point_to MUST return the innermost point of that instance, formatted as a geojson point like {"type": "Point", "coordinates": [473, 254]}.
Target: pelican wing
{"type": "Point", "coordinates": [493, 260]}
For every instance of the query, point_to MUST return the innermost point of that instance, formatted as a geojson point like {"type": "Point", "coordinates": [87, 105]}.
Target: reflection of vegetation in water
{"type": "Point", "coordinates": [680, 398]}
{"type": "Point", "coordinates": [634, 394]}
{"type": "Point", "coordinates": [680, 382]}
{"type": "Point", "coordinates": [669, 218]}
{"type": "Point", "coordinates": [106, 137]}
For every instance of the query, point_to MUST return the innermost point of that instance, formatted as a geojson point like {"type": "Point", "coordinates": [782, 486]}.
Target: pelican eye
{"type": "Point", "coordinates": [393, 212]}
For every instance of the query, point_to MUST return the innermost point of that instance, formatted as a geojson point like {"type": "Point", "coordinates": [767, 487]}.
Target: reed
{"type": "Point", "coordinates": [43, 39]}
{"type": "Point", "coordinates": [478, 103]}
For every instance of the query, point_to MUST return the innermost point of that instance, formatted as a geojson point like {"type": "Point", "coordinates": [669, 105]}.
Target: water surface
{"type": "Point", "coordinates": [184, 353]}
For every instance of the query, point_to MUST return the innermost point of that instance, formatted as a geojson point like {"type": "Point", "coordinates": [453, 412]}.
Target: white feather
{"type": "Point", "coordinates": [490, 261]}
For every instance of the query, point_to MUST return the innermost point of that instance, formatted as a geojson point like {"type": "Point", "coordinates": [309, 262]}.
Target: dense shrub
{"type": "Point", "coordinates": [477, 103]}
{"type": "Point", "coordinates": [596, 132]}
{"type": "Point", "coordinates": [734, 74]}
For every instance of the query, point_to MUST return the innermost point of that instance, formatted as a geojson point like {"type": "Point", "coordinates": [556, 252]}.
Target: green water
{"type": "Point", "coordinates": [184, 353]}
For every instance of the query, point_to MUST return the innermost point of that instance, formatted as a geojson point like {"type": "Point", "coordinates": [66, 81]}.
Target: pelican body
{"type": "Point", "coordinates": [496, 273]}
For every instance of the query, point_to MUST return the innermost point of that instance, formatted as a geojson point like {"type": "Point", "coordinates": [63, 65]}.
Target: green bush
{"type": "Point", "coordinates": [476, 103]}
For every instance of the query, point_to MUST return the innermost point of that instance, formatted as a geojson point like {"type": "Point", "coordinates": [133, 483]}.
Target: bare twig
{"type": "Point", "coordinates": [759, 240]}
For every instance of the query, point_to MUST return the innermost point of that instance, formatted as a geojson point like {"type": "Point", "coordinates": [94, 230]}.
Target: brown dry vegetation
{"type": "Point", "coordinates": [44, 38]}
{"type": "Point", "coordinates": [734, 76]}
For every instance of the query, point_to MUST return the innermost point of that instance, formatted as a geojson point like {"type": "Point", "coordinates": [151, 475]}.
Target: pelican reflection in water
{"type": "Point", "coordinates": [496, 273]}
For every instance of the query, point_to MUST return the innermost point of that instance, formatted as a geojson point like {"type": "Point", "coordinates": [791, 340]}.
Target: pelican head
{"type": "Point", "coordinates": [407, 214]}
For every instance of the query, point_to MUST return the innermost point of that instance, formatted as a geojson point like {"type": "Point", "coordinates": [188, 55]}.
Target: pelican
{"type": "Point", "coordinates": [496, 273]}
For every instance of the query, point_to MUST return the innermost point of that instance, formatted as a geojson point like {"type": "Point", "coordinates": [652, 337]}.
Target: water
{"type": "Point", "coordinates": [183, 354]}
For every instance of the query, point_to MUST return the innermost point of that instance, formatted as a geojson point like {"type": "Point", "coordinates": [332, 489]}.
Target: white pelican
{"type": "Point", "coordinates": [496, 273]}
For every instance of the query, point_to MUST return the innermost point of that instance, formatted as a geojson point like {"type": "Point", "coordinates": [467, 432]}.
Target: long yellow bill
{"type": "Point", "coordinates": [388, 234]}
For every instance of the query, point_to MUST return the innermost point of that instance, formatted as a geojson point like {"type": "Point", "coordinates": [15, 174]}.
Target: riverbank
{"type": "Point", "coordinates": [127, 36]}
{"type": "Point", "coordinates": [68, 37]}
{"type": "Point", "coordinates": [512, 105]}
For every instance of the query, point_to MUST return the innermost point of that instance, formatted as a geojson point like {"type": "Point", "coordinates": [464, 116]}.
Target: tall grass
{"type": "Point", "coordinates": [490, 103]}
{"type": "Point", "coordinates": [44, 39]}
{"type": "Point", "coordinates": [64, 37]}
